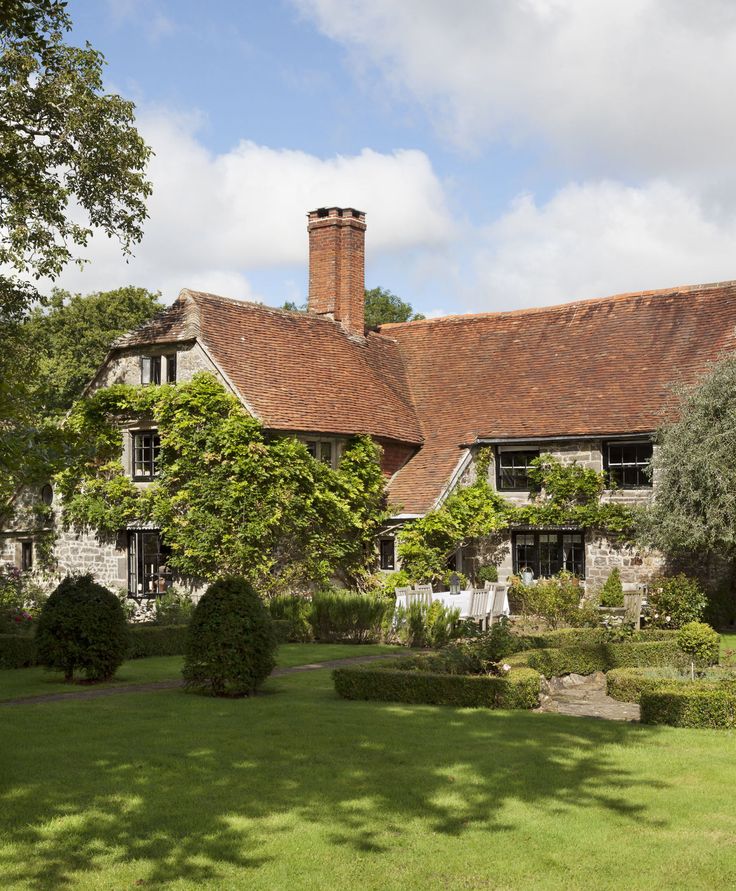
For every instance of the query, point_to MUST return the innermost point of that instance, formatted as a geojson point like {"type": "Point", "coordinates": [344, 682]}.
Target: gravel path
{"type": "Point", "coordinates": [154, 686]}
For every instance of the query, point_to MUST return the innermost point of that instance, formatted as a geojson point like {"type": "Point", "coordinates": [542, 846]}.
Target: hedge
{"type": "Point", "coordinates": [518, 689]}
{"type": "Point", "coordinates": [692, 705]}
{"type": "Point", "coordinates": [564, 637]}
{"type": "Point", "coordinates": [17, 651]}
{"type": "Point", "coordinates": [156, 640]}
{"type": "Point", "coordinates": [628, 684]}
{"type": "Point", "coordinates": [587, 659]}
{"type": "Point", "coordinates": [283, 629]}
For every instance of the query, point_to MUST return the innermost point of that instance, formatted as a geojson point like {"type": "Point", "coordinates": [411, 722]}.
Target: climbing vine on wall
{"type": "Point", "coordinates": [230, 497]}
{"type": "Point", "coordinates": [560, 495]}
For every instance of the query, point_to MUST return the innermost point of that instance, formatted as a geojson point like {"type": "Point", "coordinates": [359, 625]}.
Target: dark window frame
{"type": "Point", "coordinates": [145, 456]}
{"type": "Point", "coordinates": [150, 370]}
{"type": "Point", "coordinates": [387, 554]}
{"type": "Point", "coordinates": [26, 556]}
{"type": "Point", "coordinates": [148, 573]}
{"type": "Point", "coordinates": [316, 448]}
{"type": "Point", "coordinates": [518, 474]}
{"type": "Point", "coordinates": [548, 553]}
{"type": "Point", "coordinates": [621, 472]}
{"type": "Point", "coordinates": [171, 368]}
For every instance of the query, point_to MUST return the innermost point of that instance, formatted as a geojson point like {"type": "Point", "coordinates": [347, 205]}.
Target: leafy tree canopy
{"type": "Point", "coordinates": [695, 508]}
{"type": "Point", "coordinates": [231, 499]}
{"type": "Point", "coordinates": [64, 143]}
{"type": "Point", "coordinates": [381, 307]}
{"type": "Point", "coordinates": [72, 334]}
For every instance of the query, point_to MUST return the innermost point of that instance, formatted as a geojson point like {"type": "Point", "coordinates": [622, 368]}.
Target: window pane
{"type": "Point", "coordinates": [514, 467]}
{"type": "Point", "coordinates": [148, 574]}
{"type": "Point", "coordinates": [326, 452]}
{"type": "Point", "coordinates": [145, 370]}
{"type": "Point", "coordinates": [171, 368]}
{"type": "Point", "coordinates": [387, 553]}
{"type": "Point", "coordinates": [156, 369]}
{"type": "Point", "coordinates": [311, 447]}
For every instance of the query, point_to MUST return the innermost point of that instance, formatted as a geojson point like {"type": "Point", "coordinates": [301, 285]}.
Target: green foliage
{"type": "Point", "coordinates": [381, 306]}
{"type": "Point", "coordinates": [21, 600]}
{"type": "Point", "coordinates": [393, 580]}
{"type": "Point", "coordinates": [700, 642]}
{"type": "Point", "coordinates": [345, 616]}
{"type": "Point", "coordinates": [556, 600]}
{"type": "Point", "coordinates": [423, 625]}
{"type": "Point", "coordinates": [628, 684]}
{"type": "Point", "coordinates": [156, 640]}
{"type": "Point", "coordinates": [17, 651]}
{"type": "Point", "coordinates": [231, 645]}
{"type": "Point", "coordinates": [673, 601]}
{"type": "Point", "coordinates": [562, 495]}
{"type": "Point", "coordinates": [694, 513]}
{"type": "Point", "coordinates": [518, 689]}
{"type": "Point", "coordinates": [612, 593]}
{"type": "Point", "coordinates": [698, 704]}
{"type": "Point", "coordinates": [82, 628]}
{"type": "Point", "coordinates": [295, 614]}
{"type": "Point", "coordinates": [487, 573]}
{"type": "Point", "coordinates": [587, 659]}
{"type": "Point", "coordinates": [73, 333]}
{"type": "Point", "coordinates": [173, 608]}
{"type": "Point", "coordinates": [563, 637]}
{"type": "Point", "coordinates": [230, 498]}
{"type": "Point", "coordinates": [474, 656]}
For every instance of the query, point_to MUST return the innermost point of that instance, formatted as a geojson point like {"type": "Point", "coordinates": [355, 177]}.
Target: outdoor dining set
{"type": "Point", "coordinates": [483, 605]}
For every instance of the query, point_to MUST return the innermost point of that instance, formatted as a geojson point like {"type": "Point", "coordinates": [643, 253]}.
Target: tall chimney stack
{"type": "Point", "coordinates": [337, 266]}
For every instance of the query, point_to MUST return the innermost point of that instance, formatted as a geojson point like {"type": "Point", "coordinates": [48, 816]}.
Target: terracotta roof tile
{"type": "Point", "coordinates": [589, 368]}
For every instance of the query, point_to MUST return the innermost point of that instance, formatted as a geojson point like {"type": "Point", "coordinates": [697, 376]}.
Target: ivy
{"type": "Point", "coordinates": [560, 495]}
{"type": "Point", "coordinates": [231, 498]}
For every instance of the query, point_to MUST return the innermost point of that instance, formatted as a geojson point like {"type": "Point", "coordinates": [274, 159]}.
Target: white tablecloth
{"type": "Point", "coordinates": [462, 600]}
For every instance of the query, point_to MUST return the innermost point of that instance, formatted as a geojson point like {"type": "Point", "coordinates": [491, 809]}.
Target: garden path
{"type": "Point", "coordinates": [585, 697]}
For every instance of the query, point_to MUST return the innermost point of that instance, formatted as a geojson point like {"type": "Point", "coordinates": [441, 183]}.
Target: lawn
{"type": "Point", "coordinates": [298, 789]}
{"type": "Point", "coordinates": [36, 681]}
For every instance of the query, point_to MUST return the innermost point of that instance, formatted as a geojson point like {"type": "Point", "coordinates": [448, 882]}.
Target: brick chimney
{"type": "Point", "coordinates": [337, 266]}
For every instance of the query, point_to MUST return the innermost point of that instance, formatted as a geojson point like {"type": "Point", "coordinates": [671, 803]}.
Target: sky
{"type": "Point", "coordinates": [507, 153]}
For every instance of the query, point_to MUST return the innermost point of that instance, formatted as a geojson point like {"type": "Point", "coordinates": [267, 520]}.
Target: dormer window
{"type": "Point", "coordinates": [146, 448]}
{"type": "Point", "coordinates": [150, 370]}
{"type": "Point", "coordinates": [513, 468]}
{"type": "Point", "coordinates": [628, 464]}
{"type": "Point", "coordinates": [325, 450]}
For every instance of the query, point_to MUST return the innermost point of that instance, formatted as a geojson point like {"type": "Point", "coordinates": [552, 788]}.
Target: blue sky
{"type": "Point", "coordinates": [507, 153]}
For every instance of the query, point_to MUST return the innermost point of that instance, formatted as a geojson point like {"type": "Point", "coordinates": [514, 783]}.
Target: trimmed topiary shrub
{"type": "Point", "coordinates": [700, 643]}
{"type": "Point", "coordinates": [695, 704]}
{"type": "Point", "coordinates": [612, 593]}
{"type": "Point", "coordinates": [231, 645]}
{"type": "Point", "coordinates": [156, 640]}
{"type": "Point", "coordinates": [518, 689]}
{"type": "Point", "coordinates": [82, 628]}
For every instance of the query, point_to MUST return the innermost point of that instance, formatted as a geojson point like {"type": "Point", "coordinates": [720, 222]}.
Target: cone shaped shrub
{"type": "Point", "coordinates": [82, 628]}
{"type": "Point", "coordinates": [231, 645]}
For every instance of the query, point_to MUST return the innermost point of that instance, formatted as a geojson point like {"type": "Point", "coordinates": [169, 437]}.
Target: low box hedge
{"type": "Point", "coordinates": [566, 637]}
{"type": "Point", "coordinates": [691, 705]}
{"type": "Point", "coordinates": [586, 659]}
{"type": "Point", "coordinates": [518, 689]}
{"type": "Point", "coordinates": [156, 640]}
{"type": "Point", "coordinates": [17, 651]}
{"type": "Point", "coordinates": [627, 684]}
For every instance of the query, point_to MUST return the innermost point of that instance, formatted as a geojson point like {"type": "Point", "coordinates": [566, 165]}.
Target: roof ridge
{"type": "Point", "coordinates": [570, 305]}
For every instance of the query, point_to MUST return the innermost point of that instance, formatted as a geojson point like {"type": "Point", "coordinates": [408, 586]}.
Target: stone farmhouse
{"type": "Point", "coordinates": [587, 381]}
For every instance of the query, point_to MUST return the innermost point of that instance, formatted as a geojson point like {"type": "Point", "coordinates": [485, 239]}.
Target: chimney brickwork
{"type": "Point", "coordinates": [337, 266]}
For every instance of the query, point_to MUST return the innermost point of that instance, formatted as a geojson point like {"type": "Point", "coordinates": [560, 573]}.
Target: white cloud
{"type": "Point", "coordinates": [599, 238]}
{"type": "Point", "coordinates": [214, 217]}
{"type": "Point", "coordinates": [618, 87]}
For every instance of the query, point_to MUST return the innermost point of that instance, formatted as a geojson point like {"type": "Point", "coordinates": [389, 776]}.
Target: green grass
{"type": "Point", "coordinates": [728, 642]}
{"type": "Point", "coordinates": [18, 682]}
{"type": "Point", "coordinates": [298, 789]}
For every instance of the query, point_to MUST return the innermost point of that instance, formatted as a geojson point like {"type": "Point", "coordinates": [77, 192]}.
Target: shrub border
{"type": "Point", "coordinates": [693, 705]}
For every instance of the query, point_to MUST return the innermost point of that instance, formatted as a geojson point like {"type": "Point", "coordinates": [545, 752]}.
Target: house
{"type": "Point", "coordinates": [588, 381]}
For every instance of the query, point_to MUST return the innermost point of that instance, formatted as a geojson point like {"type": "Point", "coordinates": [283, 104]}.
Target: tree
{"type": "Point", "coordinates": [694, 512]}
{"type": "Point", "coordinates": [72, 334]}
{"type": "Point", "coordinates": [381, 306]}
{"type": "Point", "coordinates": [64, 143]}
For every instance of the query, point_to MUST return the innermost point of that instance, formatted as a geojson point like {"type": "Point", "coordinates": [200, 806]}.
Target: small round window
{"type": "Point", "coordinates": [47, 494]}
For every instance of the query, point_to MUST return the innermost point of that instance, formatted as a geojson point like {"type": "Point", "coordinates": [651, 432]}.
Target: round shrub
{"type": "Point", "coordinates": [231, 645]}
{"type": "Point", "coordinates": [700, 642]}
{"type": "Point", "coordinates": [674, 601]}
{"type": "Point", "coordinates": [82, 628]}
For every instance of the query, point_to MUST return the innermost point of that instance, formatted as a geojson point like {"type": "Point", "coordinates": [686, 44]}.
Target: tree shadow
{"type": "Point", "coordinates": [186, 786]}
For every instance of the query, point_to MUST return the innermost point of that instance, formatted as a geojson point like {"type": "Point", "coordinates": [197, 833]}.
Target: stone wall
{"type": "Point", "coordinates": [125, 366]}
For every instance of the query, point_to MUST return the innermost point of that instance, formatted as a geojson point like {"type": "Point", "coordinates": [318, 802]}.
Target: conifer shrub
{"type": "Point", "coordinates": [82, 628]}
{"type": "Point", "coordinates": [231, 644]}
{"type": "Point", "coordinates": [612, 593]}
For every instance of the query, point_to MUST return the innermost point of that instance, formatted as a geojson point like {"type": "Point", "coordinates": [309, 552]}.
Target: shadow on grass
{"type": "Point", "coordinates": [184, 787]}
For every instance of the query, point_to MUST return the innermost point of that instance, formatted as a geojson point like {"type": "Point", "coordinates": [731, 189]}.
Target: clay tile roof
{"type": "Point", "coordinates": [295, 371]}
{"type": "Point", "coordinates": [589, 368]}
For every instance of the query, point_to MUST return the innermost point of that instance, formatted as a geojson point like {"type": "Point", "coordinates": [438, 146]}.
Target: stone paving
{"type": "Point", "coordinates": [585, 696]}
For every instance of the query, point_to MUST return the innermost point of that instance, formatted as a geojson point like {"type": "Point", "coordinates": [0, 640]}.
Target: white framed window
{"type": "Point", "coordinates": [146, 446]}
